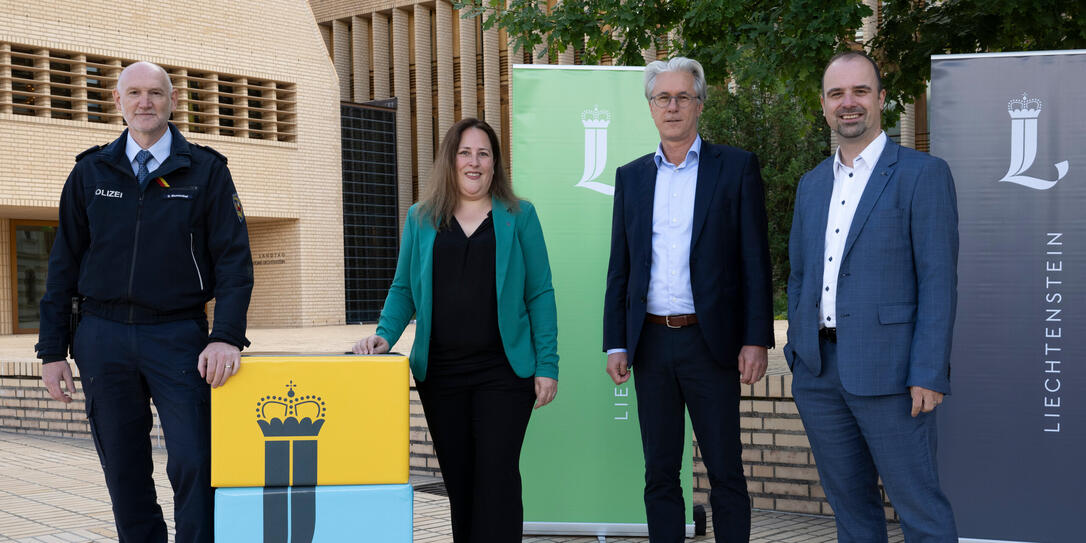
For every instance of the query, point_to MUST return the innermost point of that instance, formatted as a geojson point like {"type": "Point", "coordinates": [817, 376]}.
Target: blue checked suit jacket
{"type": "Point", "coordinates": [897, 288]}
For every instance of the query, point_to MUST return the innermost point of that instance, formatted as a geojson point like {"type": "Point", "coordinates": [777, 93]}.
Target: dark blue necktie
{"type": "Point", "coordinates": [142, 158]}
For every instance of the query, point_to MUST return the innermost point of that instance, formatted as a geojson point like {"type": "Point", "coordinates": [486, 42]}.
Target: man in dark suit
{"type": "Point", "coordinates": [871, 300]}
{"type": "Point", "coordinates": [688, 300]}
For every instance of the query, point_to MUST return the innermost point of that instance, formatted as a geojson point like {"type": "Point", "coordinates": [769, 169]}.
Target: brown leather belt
{"type": "Point", "coordinates": [672, 321]}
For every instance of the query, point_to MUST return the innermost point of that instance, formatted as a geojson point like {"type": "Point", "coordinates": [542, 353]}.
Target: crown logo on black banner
{"type": "Point", "coordinates": [1024, 107]}
{"type": "Point", "coordinates": [292, 415]}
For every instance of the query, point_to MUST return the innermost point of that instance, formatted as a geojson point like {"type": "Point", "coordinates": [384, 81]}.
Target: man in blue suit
{"type": "Point", "coordinates": [688, 300]}
{"type": "Point", "coordinates": [871, 301]}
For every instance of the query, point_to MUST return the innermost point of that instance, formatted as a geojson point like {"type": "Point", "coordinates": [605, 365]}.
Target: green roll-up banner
{"type": "Point", "coordinates": [582, 463]}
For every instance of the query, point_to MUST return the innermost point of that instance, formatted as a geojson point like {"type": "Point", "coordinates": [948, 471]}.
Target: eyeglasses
{"type": "Point", "coordinates": [664, 100]}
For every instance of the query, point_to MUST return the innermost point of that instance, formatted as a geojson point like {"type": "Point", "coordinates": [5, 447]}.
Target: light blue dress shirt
{"type": "Point", "coordinates": [672, 224]}
{"type": "Point", "coordinates": [160, 151]}
{"type": "Point", "coordinates": [670, 292]}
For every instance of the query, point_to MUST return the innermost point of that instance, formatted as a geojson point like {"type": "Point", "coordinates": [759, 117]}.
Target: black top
{"type": "Point", "coordinates": [465, 335]}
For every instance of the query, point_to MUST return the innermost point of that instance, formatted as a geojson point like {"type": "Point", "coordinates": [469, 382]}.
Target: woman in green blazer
{"type": "Point", "coordinates": [473, 272]}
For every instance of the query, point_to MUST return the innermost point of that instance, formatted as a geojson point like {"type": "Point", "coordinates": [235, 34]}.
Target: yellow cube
{"type": "Point", "coordinates": [311, 420]}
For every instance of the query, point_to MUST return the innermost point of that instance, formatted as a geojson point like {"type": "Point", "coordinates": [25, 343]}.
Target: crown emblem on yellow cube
{"type": "Point", "coordinates": [292, 415]}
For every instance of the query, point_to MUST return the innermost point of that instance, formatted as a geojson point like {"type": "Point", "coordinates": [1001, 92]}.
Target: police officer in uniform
{"type": "Point", "coordinates": [151, 229]}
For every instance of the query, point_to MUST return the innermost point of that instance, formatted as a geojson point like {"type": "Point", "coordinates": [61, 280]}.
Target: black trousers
{"type": "Point", "coordinates": [477, 421]}
{"type": "Point", "coordinates": [122, 367]}
{"type": "Point", "coordinates": [674, 369]}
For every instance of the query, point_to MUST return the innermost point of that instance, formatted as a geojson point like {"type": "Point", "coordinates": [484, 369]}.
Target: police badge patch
{"type": "Point", "coordinates": [237, 208]}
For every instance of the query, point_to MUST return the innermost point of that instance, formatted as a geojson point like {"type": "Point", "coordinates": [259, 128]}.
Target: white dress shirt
{"type": "Point", "coordinates": [848, 187]}
{"type": "Point", "coordinates": [160, 151]}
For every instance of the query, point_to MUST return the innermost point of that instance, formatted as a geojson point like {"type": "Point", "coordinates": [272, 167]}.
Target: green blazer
{"type": "Point", "coordinates": [527, 317]}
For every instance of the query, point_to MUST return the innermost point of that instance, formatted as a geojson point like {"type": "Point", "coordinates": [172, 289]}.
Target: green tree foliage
{"type": "Point", "coordinates": [785, 43]}
{"type": "Point", "coordinates": [911, 32]}
{"type": "Point", "coordinates": [770, 124]}
{"type": "Point", "coordinates": [773, 44]}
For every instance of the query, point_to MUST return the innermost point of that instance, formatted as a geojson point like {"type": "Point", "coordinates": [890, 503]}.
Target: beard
{"type": "Point", "coordinates": [852, 130]}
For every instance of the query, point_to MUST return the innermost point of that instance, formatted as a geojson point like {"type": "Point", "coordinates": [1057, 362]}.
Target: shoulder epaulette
{"type": "Point", "coordinates": [90, 151]}
{"type": "Point", "coordinates": [212, 151]}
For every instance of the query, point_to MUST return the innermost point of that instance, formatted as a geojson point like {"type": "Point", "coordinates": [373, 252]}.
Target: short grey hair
{"type": "Point", "coordinates": [676, 64]}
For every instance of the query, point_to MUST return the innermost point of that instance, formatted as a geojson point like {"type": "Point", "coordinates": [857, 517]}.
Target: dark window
{"type": "Point", "coordinates": [370, 210]}
{"type": "Point", "coordinates": [31, 243]}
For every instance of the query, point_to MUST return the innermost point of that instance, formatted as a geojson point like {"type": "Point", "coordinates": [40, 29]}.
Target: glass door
{"type": "Point", "coordinates": [30, 246]}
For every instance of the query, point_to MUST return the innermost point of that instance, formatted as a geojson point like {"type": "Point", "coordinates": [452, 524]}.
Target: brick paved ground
{"type": "Point", "coordinates": [51, 491]}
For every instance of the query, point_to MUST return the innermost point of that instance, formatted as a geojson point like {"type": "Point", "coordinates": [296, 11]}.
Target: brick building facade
{"type": "Point", "coordinates": [258, 89]}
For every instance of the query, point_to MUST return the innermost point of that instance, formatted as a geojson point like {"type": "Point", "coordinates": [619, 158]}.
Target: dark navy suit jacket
{"type": "Point", "coordinates": [729, 254]}
{"type": "Point", "coordinates": [897, 288]}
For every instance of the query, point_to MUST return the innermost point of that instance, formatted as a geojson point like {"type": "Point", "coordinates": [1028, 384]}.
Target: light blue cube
{"type": "Point", "coordinates": [379, 513]}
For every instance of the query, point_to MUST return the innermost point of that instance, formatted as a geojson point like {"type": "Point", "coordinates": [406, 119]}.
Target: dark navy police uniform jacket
{"type": "Point", "coordinates": [150, 256]}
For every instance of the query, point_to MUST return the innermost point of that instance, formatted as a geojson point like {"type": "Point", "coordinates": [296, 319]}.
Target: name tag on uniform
{"type": "Point", "coordinates": [184, 193]}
